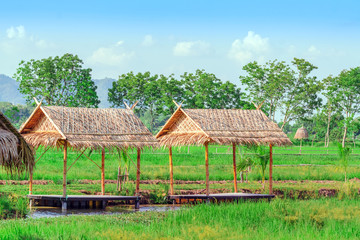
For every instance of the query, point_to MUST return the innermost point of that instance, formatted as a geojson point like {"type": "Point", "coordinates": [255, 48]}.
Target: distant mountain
{"type": "Point", "coordinates": [103, 86]}
{"type": "Point", "coordinates": [9, 90]}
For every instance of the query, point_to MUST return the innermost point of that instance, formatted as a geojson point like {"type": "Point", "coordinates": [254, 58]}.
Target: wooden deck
{"type": "Point", "coordinates": [80, 201]}
{"type": "Point", "coordinates": [218, 197]}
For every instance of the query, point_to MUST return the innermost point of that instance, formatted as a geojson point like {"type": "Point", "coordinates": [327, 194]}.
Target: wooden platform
{"type": "Point", "coordinates": [80, 201]}
{"type": "Point", "coordinates": [219, 197]}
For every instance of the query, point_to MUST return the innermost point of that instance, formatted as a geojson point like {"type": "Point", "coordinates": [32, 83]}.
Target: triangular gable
{"type": "Point", "coordinates": [39, 121]}
{"type": "Point", "coordinates": [180, 122]}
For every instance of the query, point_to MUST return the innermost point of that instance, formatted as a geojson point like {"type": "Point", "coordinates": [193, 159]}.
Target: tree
{"type": "Point", "coordinates": [265, 84]}
{"type": "Point", "coordinates": [142, 87]}
{"type": "Point", "coordinates": [345, 91]}
{"type": "Point", "coordinates": [59, 80]}
{"type": "Point", "coordinates": [300, 96]}
{"type": "Point", "coordinates": [205, 90]}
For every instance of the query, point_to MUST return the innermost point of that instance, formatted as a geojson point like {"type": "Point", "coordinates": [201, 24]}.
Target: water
{"type": "Point", "coordinates": [49, 212]}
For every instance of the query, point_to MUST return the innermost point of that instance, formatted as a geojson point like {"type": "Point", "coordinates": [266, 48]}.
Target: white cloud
{"type": "Point", "coordinates": [112, 56]}
{"type": "Point", "coordinates": [313, 50]}
{"type": "Point", "coordinates": [16, 32]}
{"type": "Point", "coordinates": [148, 41]}
{"type": "Point", "coordinates": [196, 48]}
{"type": "Point", "coordinates": [251, 47]}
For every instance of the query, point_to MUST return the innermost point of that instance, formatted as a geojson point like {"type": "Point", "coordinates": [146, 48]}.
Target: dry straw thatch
{"type": "Point", "coordinates": [220, 126]}
{"type": "Point", "coordinates": [301, 133]}
{"type": "Point", "coordinates": [15, 153]}
{"type": "Point", "coordinates": [86, 128]}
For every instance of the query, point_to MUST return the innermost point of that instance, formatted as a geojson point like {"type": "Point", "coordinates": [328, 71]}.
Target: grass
{"type": "Point", "coordinates": [154, 165]}
{"type": "Point", "coordinates": [280, 219]}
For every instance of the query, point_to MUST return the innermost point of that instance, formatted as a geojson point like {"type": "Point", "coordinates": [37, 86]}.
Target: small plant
{"type": "Point", "coordinates": [262, 156]}
{"type": "Point", "coordinates": [244, 164]}
{"type": "Point", "coordinates": [123, 168]}
{"type": "Point", "coordinates": [344, 155]}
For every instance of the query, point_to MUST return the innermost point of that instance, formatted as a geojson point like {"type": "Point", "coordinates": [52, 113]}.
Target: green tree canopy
{"type": "Point", "coordinates": [61, 81]}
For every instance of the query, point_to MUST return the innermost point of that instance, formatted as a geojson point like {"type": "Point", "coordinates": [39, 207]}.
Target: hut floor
{"type": "Point", "coordinates": [81, 201]}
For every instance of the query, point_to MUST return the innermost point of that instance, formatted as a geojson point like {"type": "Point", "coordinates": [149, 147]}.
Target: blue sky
{"type": "Point", "coordinates": [115, 37]}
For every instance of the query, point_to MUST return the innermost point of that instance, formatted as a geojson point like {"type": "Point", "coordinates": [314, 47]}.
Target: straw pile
{"type": "Point", "coordinates": [301, 133]}
{"type": "Point", "coordinates": [86, 128]}
{"type": "Point", "coordinates": [15, 153]}
{"type": "Point", "coordinates": [220, 126]}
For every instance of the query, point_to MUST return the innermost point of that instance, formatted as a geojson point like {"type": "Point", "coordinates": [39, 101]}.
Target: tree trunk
{"type": "Point", "coordinates": [344, 137]}
{"type": "Point", "coordinates": [327, 136]}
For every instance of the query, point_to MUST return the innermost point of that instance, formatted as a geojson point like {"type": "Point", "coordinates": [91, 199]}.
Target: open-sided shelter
{"type": "Point", "coordinates": [220, 126]}
{"type": "Point", "coordinates": [83, 128]}
{"type": "Point", "coordinates": [15, 153]}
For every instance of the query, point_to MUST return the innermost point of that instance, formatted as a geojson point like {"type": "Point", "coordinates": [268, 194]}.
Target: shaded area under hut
{"type": "Point", "coordinates": [15, 153]}
{"type": "Point", "coordinates": [223, 127]}
{"type": "Point", "coordinates": [86, 128]}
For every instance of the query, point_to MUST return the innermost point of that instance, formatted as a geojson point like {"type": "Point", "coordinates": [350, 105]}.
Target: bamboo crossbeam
{"type": "Point", "coordinates": [75, 160]}
{"type": "Point", "coordinates": [42, 154]}
{"type": "Point", "coordinates": [92, 161]}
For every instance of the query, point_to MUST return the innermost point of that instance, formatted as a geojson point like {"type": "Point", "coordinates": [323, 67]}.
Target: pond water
{"type": "Point", "coordinates": [47, 212]}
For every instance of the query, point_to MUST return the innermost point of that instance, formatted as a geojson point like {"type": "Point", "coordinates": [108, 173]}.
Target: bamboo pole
{"type": "Point", "coordinates": [102, 171]}
{"type": "Point", "coordinates": [138, 173]}
{"type": "Point", "coordinates": [234, 165]}
{"type": "Point", "coordinates": [65, 169]}
{"type": "Point", "coordinates": [171, 172]}
{"type": "Point", "coordinates": [207, 167]}
{"type": "Point", "coordinates": [31, 183]}
{"type": "Point", "coordinates": [270, 170]}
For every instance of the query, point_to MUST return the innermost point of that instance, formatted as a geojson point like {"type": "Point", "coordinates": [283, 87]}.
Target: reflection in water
{"type": "Point", "coordinates": [41, 212]}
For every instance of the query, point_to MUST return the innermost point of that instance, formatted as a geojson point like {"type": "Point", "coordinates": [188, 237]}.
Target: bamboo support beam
{"type": "Point", "coordinates": [207, 167]}
{"type": "Point", "coordinates": [270, 171]}
{"type": "Point", "coordinates": [137, 191]}
{"type": "Point", "coordinates": [102, 171]}
{"type": "Point", "coordinates": [65, 169]}
{"type": "Point", "coordinates": [171, 172]}
{"type": "Point", "coordinates": [234, 166]}
{"type": "Point", "coordinates": [31, 183]}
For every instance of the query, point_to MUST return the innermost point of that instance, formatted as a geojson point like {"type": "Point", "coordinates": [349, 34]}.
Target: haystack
{"type": "Point", "coordinates": [301, 133]}
{"type": "Point", "coordinates": [15, 153]}
{"type": "Point", "coordinates": [220, 126]}
{"type": "Point", "coordinates": [83, 128]}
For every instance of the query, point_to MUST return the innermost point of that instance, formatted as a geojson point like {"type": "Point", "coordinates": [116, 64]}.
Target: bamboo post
{"type": "Point", "coordinates": [207, 167]}
{"type": "Point", "coordinates": [102, 171]}
{"type": "Point", "coordinates": [64, 202]}
{"type": "Point", "coordinates": [234, 165]}
{"type": "Point", "coordinates": [64, 171]}
{"type": "Point", "coordinates": [171, 172]}
{"type": "Point", "coordinates": [30, 183]}
{"type": "Point", "coordinates": [270, 170]}
{"type": "Point", "coordinates": [138, 173]}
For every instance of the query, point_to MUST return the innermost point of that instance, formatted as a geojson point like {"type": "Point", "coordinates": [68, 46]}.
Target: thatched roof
{"type": "Point", "coordinates": [220, 126]}
{"type": "Point", "coordinates": [15, 153]}
{"type": "Point", "coordinates": [301, 133]}
{"type": "Point", "coordinates": [86, 128]}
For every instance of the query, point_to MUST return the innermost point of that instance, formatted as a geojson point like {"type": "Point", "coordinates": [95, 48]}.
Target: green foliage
{"type": "Point", "coordinates": [156, 93]}
{"type": "Point", "coordinates": [266, 83]}
{"type": "Point", "coordinates": [61, 81]}
{"type": "Point", "coordinates": [13, 206]}
{"type": "Point", "coordinates": [17, 114]}
{"type": "Point", "coordinates": [244, 161]}
{"type": "Point", "coordinates": [344, 155]}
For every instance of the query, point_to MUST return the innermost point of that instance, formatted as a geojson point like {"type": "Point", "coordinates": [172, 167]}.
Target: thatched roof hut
{"type": "Point", "coordinates": [301, 133]}
{"type": "Point", "coordinates": [15, 153]}
{"type": "Point", "coordinates": [221, 126]}
{"type": "Point", "coordinates": [86, 128]}
{"type": "Point", "coordinates": [82, 128]}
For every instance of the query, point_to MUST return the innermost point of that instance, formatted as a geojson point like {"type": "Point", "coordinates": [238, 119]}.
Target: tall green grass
{"type": "Point", "coordinates": [280, 219]}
